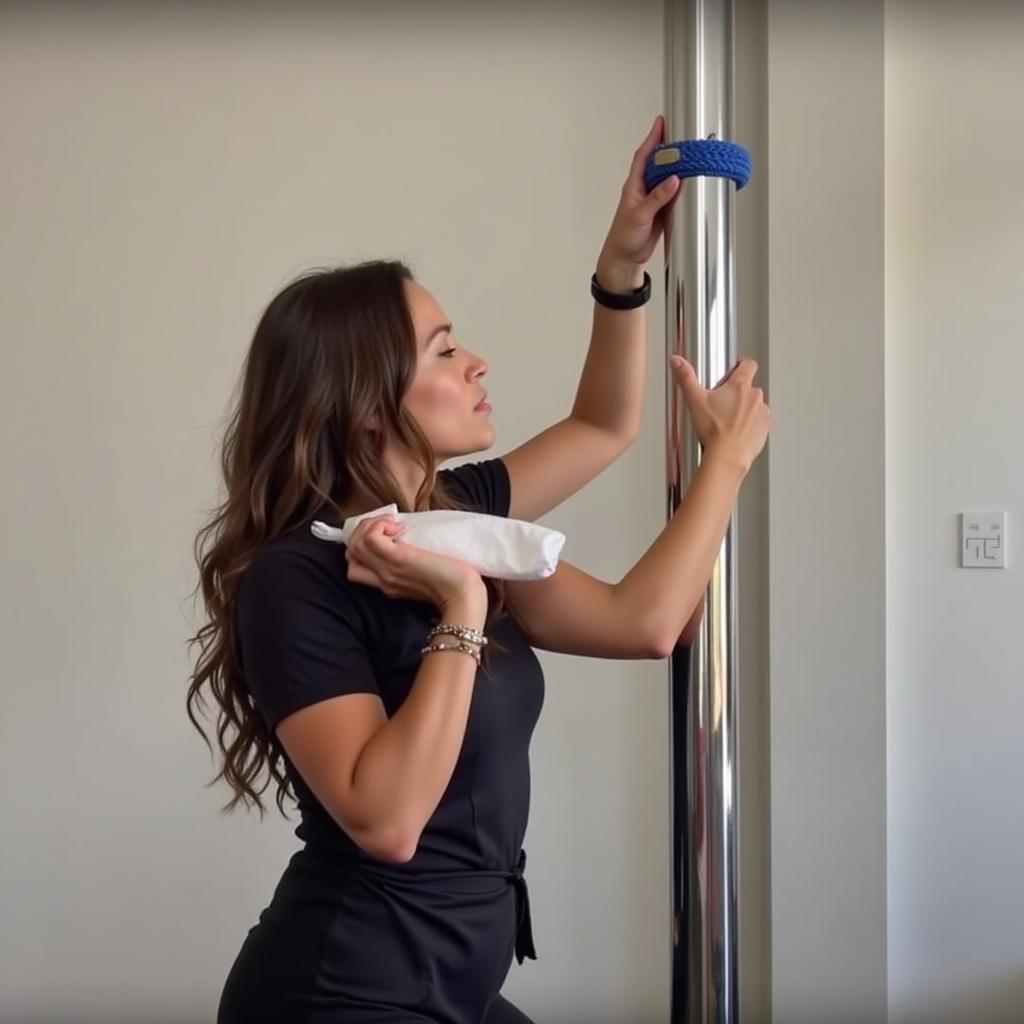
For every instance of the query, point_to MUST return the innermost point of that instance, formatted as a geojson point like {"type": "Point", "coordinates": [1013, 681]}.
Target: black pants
{"type": "Point", "coordinates": [369, 950]}
{"type": "Point", "coordinates": [501, 1012]}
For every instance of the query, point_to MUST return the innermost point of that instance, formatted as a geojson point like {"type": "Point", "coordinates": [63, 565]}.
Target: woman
{"type": "Point", "coordinates": [405, 748]}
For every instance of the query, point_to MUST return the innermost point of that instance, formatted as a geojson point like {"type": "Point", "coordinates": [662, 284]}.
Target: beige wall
{"type": "Point", "coordinates": [164, 174]}
{"type": "Point", "coordinates": [827, 511]}
{"type": "Point", "coordinates": [895, 225]}
{"type": "Point", "coordinates": [954, 364]}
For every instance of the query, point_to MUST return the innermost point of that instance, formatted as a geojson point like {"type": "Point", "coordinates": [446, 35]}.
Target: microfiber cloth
{"type": "Point", "coordinates": [504, 549]}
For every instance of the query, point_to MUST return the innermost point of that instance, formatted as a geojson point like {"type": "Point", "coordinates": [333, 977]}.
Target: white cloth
{"type": "Point", "coordinates": [505, 549]}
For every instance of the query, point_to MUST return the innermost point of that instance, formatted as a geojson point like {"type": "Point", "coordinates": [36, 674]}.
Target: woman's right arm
{"type": "Point", "coordinates": [404, 769]}
{"type": "Point", "coordinates": [381, 779]}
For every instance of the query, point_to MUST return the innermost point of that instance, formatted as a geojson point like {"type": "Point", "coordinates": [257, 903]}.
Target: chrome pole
{"type": "Point", "coordinates": [703, 681]}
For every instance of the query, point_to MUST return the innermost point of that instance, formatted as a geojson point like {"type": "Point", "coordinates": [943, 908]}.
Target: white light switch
{"type": "Point", "coordinates": [983, 540]}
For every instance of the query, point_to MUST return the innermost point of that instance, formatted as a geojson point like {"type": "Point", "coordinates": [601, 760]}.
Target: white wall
{"type": "Point", "coordinates": [827, 511]}
{"type": "Point", "coordinates": [955, 418]}
{"type": "Point", "coordinates": [897, 733]}
{"type": "Point", "coordinates": [163, 175]}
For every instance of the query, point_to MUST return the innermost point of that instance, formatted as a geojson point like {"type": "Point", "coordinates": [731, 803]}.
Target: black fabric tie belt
{"type": "Point", "coordinates": [524, 929]}
{"type": "Point", "coordinates": [395, 874]}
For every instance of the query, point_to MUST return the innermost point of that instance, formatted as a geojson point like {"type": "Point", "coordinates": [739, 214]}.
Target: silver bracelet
{"type": "Point", "coordinates": [460, 646]}
{"type": "Point", "coordinates": [474, 636]}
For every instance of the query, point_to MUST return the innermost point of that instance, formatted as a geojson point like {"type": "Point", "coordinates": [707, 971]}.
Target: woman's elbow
{"type": "Point", "coordinates": [388, 845]}
{"type": "Point", "coordinates": [665, 647]}
{"type": "Point", "coordinates": [398, 854]}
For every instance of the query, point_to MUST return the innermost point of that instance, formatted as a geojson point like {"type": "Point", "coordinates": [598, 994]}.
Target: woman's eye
{"type": "Point", "coordinates": [448, 351]}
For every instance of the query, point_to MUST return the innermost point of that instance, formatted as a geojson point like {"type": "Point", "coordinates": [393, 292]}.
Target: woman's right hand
{"type": "Point", "coordinates": [732, 417]}
{"type": "Point", "coordinates": [378, 557]}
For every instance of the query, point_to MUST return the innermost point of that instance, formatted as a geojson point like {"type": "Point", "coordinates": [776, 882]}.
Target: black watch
{"type": "Point", "coordinates": [631, 300]}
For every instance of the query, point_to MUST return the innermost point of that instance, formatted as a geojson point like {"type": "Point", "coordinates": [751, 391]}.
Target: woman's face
{"type": "Point", "coordinates": [447, 386]}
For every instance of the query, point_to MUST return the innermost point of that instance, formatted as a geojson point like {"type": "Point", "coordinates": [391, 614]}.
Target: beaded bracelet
{"type": "Point", "coordinates": [460, 646]}
{"type": "Point", "coordinates": [474, 636]}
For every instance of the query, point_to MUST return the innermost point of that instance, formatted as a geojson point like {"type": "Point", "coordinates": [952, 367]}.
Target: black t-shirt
{"type": "Point", "coordinates": [304, 633]}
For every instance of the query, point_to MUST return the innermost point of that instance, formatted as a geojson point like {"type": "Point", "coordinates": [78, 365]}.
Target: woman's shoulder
{"type": "Point", "coordinates": [298, 561]}
{"type": "Point", "coordinates": [483, 486]}
{"type": "Point", "coordinates": [300, 577]}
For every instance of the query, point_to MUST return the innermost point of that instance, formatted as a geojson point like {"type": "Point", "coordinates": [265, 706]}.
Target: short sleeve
{"type": "Point", "coordinates": [483, 486]}
{"type": "Point", "coordinates": [298, 636]}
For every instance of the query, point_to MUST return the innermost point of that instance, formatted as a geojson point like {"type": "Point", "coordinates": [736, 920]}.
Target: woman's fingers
{"type": "Point", "coordinates": [657, 200]}
{"type": "Point", "coordinates": [365, 536]}
{"type": "Point", "coordinates": [360, 573]}
{"type": "Point", "coordinates": [635, 181]}
{"type": "Point", "coordinates": [377, 561]}
{"type": "Point", "coordinates": [745, 369]}
{"type": "Point", "coordinates": [369, 527]}
{"type": "Point", "coordinates": [357, 571]}
{"type": "Point", "coordinates": [361, 529]}
{"type": "Point", "coordinates": [725, 379]}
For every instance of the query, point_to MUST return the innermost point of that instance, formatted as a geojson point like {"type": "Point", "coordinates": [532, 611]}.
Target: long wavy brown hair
{"type": "Point", "coordinates": [333, 347]}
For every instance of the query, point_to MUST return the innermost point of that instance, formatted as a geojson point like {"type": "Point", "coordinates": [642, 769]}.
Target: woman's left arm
{"type": "Point", "coordinates": [605, 416]}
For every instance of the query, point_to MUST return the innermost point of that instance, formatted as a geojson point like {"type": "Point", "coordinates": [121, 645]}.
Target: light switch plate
{"type": "Point", "coordinates": [983, 540]}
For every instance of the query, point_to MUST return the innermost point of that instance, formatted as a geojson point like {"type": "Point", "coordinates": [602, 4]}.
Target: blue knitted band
{"type": "Point", "coordinates": [698, 158]}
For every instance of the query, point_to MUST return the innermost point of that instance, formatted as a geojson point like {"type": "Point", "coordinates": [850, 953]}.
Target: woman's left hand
{"type": "Point", "coordinates": [639, 221]}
